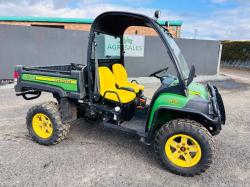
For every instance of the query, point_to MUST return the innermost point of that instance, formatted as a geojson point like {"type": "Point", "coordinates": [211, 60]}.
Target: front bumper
{"type": "Point", "coordinates": [218, 106]}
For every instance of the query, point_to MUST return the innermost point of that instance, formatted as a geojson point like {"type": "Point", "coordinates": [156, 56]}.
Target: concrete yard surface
{"type": "Point", "coordinates": [92, 155]}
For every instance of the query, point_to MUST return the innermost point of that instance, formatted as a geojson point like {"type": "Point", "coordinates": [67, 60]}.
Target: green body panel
{"type": "Point", "coordinates": [167, 100]}
{"type": "Point", "coordinates": [65, 83]}
{"type": "Point", "coordinates": [177, 101]}
{"type": "Point", "coordinates": [198, 89]}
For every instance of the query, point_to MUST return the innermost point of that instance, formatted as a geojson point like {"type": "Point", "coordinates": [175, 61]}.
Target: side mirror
{"type": "Point", "coordinates": [157, 14]}
{"type": "Point", "coordinates": [191, 75]}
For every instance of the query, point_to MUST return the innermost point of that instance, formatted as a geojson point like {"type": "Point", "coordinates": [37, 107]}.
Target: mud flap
{"type": "Point", "coordinates": [68, 110]}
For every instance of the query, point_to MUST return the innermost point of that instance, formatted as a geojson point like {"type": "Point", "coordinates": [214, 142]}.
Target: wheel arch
{"type": "Point", "coordinates": [165, 114]}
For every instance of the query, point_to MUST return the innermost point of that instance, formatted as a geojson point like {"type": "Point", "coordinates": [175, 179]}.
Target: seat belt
{"type": "Point", "coordinates": [97, 83]}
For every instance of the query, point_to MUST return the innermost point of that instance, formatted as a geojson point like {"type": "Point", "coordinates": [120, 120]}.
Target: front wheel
{"type": "Point", "coordinates": [185, 147]}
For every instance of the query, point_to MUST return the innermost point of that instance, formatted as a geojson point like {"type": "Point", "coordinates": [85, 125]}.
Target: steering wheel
{"type": "Point", "coordinates": [157, 72]}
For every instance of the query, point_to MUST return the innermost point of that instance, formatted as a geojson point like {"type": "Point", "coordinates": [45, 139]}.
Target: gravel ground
{"type": "Point", "coordinates": [95, 156]}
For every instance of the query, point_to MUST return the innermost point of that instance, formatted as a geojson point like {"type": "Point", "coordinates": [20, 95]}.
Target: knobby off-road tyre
{"type": "Point", "coordinates": [45, 125]}
{"type": "Point", "coordinates": [193, 158]}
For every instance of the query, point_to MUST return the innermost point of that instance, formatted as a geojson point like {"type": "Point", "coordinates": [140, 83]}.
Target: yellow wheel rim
{"type": "Point", "coordinates": [183, 150]}
{"type": "Point", "coordinates": [42, 125]}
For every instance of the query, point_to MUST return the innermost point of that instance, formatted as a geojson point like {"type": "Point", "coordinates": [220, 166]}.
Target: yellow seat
{"type": "Point", "coordinates": [121, 78]}
{"type": "Point", "coordinates": [107, 83]}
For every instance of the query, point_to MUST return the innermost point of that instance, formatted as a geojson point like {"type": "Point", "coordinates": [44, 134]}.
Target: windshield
{"type": "Point", "coordinates": [181, 62]}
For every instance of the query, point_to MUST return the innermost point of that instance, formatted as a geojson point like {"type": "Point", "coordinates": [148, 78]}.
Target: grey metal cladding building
{"type": "Point", "coordinates": [45, 46]}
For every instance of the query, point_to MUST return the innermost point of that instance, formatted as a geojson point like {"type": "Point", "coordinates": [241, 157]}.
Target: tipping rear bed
{"type": "Point", "coordinates": [64, 80]}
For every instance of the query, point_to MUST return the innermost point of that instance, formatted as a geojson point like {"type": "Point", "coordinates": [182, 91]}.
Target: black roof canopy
{"type": "Point", "coordinates": [115, 23]}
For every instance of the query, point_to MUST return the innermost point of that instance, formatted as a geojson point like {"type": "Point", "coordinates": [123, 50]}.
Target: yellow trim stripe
{"type": "Point", "coordinates": [54, 79]}
{"type": "Point", "coordinates": [194, 92]}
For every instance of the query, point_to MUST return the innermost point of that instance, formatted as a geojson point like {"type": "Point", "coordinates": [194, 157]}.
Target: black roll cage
{"type": "Point", "coordinates": [116, 23]}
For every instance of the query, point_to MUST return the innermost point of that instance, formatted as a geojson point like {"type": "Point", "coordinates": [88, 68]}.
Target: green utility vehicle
{"type": "Point", "coordinates": [180, 120]}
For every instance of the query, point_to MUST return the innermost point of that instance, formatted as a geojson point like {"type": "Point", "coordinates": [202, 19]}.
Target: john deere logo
{"type": "Point", "coordinates": [173, 101]}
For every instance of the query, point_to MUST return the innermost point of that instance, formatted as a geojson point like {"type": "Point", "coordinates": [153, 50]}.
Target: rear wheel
{"type": "Point", "coordinates": [45, 125]}
{"type": "Point", "coordinates": [185, 147]}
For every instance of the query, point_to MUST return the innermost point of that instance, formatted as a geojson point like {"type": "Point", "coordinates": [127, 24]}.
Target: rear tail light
{"type": "Point", "coordinates": [16, 75]}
